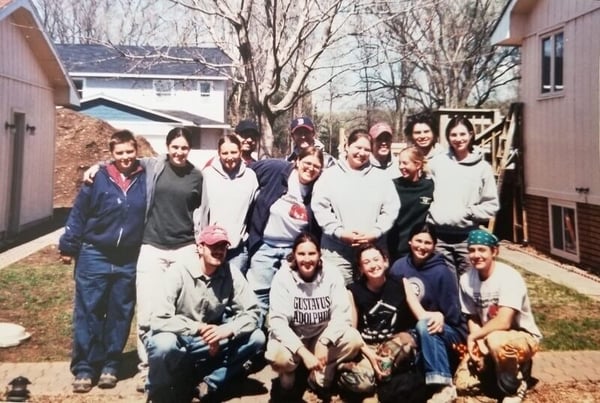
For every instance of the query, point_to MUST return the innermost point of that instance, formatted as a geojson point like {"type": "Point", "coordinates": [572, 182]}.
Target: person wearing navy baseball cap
{"type": "Point", "coordinates": [302, 130]}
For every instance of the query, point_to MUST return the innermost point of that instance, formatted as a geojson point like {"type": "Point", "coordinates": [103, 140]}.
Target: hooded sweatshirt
{"type": "Point", "coordinates": [435, 286]}
{"type": "Point", "coordinates": [301, 310]}
{"type": "Point", "coordinates": [465, 193]}
{"type": "Point", "coordinates": [362, 200]}
{"type": "Point", "coordinates": [226, 199]}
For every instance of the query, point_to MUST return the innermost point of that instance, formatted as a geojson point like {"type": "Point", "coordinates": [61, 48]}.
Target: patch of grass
{"type": "Point", "coordinates": [38, 294]}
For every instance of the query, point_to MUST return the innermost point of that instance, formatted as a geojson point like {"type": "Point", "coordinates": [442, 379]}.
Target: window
{"type": "Point", "coordinates": [163, 88]}
{"type": "Point", "coordinates": [79, 84]}
{"type": "Point", "coordinates": [552, 63]}
{"type": "Point", "coordinates": [205, 88]}
{"type": "Point", "coordinates": [563, 230]}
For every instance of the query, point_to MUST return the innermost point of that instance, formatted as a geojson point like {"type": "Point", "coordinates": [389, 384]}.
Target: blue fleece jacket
{"type": "Point", "coordinates": [107, 217]}
{"type": "Point", "coordinates": [435, 286]}
{"type": "Point", "coordinates": [272, 175]}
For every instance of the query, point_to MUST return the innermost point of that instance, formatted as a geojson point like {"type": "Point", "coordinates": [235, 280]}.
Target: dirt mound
{"type": "Point", "coordinates": [81, 141]}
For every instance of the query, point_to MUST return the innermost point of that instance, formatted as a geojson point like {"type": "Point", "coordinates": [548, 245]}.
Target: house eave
{"type": "Point", "coordinates": [509, 27]}
{"type": "Point", "coordinates": [148, 76]}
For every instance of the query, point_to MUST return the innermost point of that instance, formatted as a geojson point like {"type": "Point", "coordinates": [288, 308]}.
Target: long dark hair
{"type": "Point", "coordinates": [457, 121]}
{"type": "Point", "coordinates": [179, 132]}
{"type": "Point", "coordinates": [423, 228]}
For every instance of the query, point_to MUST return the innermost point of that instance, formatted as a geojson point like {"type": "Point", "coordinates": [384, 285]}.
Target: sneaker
{"type": "Point", "coordinates": [445, 395]}
{"type": "Point", "coordinates": [140, 379]}
{"type": "Point", "coordinates": [287, 380]}
{"type": "Point", "coordinates": [107, 381]}
{"type": "Point", "coordinates": [82, 384]}
{"type": "Point", "coordinates": [519, 396]}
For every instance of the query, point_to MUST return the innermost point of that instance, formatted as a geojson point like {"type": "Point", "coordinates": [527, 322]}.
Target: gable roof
{"type": "Point", "coordinates": [26, 19]}
{"type": "Point", "coordinates": [101, 60]}
{"type": "Point", "coordinates": [180, 117]}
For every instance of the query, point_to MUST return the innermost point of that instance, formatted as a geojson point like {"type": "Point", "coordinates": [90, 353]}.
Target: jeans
{"type": "Point", "coordinates": [151, 265]}
{"type": "Point", "coordinates": [434, 352]}
{"type": "Point", "coordinates": [264, 264]}
{"type": "Point", "coordinates": [103, 310]}
{"type": "Point", "coordinates": [172, 356]}
{"type": "Point", "coordinates": [238, 258]}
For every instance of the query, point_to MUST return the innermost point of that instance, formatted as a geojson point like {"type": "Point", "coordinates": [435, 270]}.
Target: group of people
{"type": "Point", "coordinates": [353, 269]}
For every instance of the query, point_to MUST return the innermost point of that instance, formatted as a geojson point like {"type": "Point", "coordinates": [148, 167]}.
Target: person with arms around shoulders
{"type": "Point", "coordinates": [279, 214]}
{"type": "Point", "coordinates": [204, 326]}
{"type": "Point", "coordinates": [465, 194]}
{"type": "Point", "coordinates": [381, 157]}
{"type": "Point", "coordinates": [442, 326]}
{"type": "Point", "coordinates": [354, 203]}
{"type": "Point", "coordinates": [104, 233]}
{"type": "Point", "coordinates": [302, 130]}
{"type": "Point", "coordinates": [415, 190]}
{"type": "Point", "coordinates": [229, 190]}
{"type": "Point", "coordinates": [309, 319]}
{"type": "Point", "coordinates": [502, 330]}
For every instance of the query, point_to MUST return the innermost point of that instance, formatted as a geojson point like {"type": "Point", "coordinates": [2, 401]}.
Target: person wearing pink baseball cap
{"type": "Point", "coordinates": [381, 155]}
{"type": "Point", "coordinates": [205, 325]}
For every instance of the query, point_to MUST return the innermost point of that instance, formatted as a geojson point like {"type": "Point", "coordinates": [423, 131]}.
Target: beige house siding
{"type": "Point", "coordinates": [24, 88]}
{"type": "Point", "coordinates": [562, 131]}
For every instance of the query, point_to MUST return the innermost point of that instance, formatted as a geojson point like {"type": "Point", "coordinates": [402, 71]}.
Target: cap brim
{"type": "Point", "coordinates": [312, 129]}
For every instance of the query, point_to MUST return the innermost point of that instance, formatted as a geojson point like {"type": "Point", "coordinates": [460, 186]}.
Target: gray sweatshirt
{"type": "Point", "coordinates": [465, 193]}
{"type": "Point", "coordinates": [301, 311]}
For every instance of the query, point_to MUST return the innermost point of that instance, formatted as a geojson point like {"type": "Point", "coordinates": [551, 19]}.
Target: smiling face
{"type": "Point", "coordinates": [409, 168]}
{"type": "Point", "coordinates": [422, 136]}
{"type": "Point", "coordinates": [307, 256]}
{"type": "Point", "coordinates": [358, 152]}
{"type": "Point", "coordinates": [230, 156]}
{"type": "Point", "coordinates": [125, 155]}
{"type": "Point", "coordinates": [382, 146]}
{"type": "Point", "coordinates": [309, 168]}
{"type": "Point", "coordinates": [178, 150]}
{"type": "Point", "coordinates": [421, 247]}
{"type": "Point", "coordinates": [482, 258]}
{"type": "Point", "coordinates": [373, 265]}
{"type": "Point", "coordinates": [212, 256]}
{"type": "Point", "coordinates": [248, 138]}
{"type": "Point", "coordinates": [459, 139]}
{"type": "Point", "coordinates": [303, 137]}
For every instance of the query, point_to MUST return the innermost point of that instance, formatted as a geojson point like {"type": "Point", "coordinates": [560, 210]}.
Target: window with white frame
{"type": "Point", "coordinates": [552, 62]}
{"type": "Point", "coordinates": [204, 87]}
{"type": "Point", "coordinates": [163, 88]}
{"type": "Point", "coordinates": [563, 229]}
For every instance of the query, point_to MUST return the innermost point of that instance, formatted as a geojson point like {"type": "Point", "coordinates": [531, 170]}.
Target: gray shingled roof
{"type": "Point", "coordinates": [147, 60]}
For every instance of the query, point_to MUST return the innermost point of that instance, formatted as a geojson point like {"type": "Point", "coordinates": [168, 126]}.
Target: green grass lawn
{"type": "Point", "coordinates": [37, 293]}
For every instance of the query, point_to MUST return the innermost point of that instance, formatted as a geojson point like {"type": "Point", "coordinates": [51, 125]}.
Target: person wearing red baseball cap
{"type": "Point", "coordinates": [190, 340]}
{"type": "Point", "coordinates": [381, 156]}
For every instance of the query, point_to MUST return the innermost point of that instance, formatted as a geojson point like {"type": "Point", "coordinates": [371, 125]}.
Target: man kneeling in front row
{"type": "Point", "coordinates": [494, 297]}
{"type": "Point", "coordinates": [204, 326]}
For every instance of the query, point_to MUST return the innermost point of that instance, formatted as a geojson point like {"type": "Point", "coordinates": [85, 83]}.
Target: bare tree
{"type": "Point", "coordinates": [442, 52]}
{"type": "Point", "coordinates": [278, 44]}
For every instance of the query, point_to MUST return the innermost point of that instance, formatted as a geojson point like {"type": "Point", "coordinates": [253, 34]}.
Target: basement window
{"type": "Point", "coordinates": [564, 240]}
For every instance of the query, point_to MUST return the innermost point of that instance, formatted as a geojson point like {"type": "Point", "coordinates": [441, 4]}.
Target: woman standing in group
{"type": "Point", "coordinates": [465, 194]}
{"type": "Point", "coordinates": [415, 190]}
{"type": "Point", "coordinates": [309, 318]}
{"type": "Point", "coordinates": [437, 291]}
{"type": "Point", "coordinates": [280, 212]}
{"type": "Point", "coordinates": [104, 233]}
{"type": "Point", "coordinates": [354, 203]}
{"type": "Point", "coordinates": [229, 189]}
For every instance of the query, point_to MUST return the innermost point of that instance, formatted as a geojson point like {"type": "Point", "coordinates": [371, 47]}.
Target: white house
{"type": "Point", "coordinates": [150, 90]}
{"type": "Point", "coordinates": [32, 82]}
{"type": "Point", "coordinates": [560, 90]}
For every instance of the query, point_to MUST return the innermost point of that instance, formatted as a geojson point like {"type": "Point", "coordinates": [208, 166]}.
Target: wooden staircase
{"type": "Point", "coordinates": [502, 143]}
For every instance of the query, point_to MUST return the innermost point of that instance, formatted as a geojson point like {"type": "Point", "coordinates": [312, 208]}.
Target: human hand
{"type": "Point", "coordinates": [435, 322]}
{"type": "Point", "coordinates": [214, 333]}
{"type": "Point", "coordinates": [90, 173]}
{"type": "Point", "coordinates": [475, 355]}
{"type": "Point", "coordinates": [66, 259]}
{"type": "Point", "coordinates": [321, 352]}
{"type": "Point", "coordinates": [311, 362]}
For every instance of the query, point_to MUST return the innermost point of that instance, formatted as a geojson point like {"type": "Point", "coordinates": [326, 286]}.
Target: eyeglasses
{"type": "Point", "coordinates": [308, 164]}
